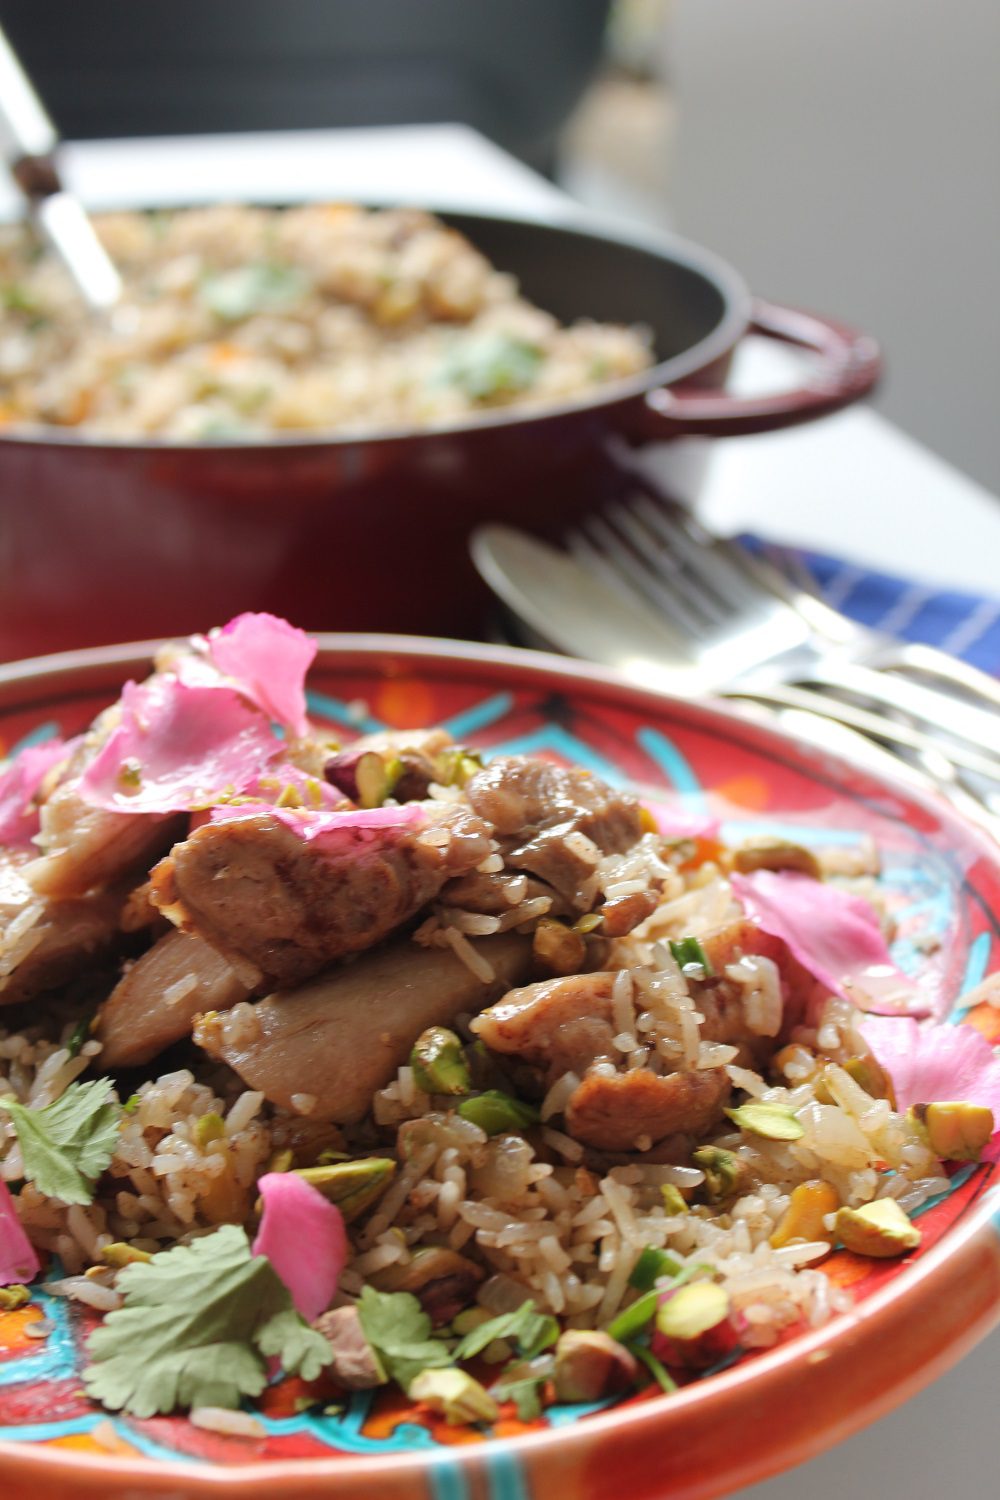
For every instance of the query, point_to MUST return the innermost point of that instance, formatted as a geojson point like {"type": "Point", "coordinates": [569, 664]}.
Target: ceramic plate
{"type": "Point", "coordinates": [777, 1408]}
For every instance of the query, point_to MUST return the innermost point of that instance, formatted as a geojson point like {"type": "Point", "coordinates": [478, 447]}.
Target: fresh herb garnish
{"type": "Point", "coordinates": [66, 1145]}
{"type": "Point", "coordinates": [525, 1392]}
{"type": "Point", "coordinates": [530, 1331]}
{"type": "Point", "coordinates": [399, 1331]}
{"type": "Point", "coordinates": [654, 1366]}
{"type": "Point", "coordinates": [245, 290]}
{"type": "Point", "coordinates": [689, 954]}
{"type": "Point", "coordinates": [492, 364]}
{"type": "Point", "coordinates": [197, 1328]}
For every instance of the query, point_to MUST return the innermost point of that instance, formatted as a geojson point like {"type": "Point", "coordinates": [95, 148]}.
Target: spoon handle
{"type": "Point", "coordinates": [27, 141]}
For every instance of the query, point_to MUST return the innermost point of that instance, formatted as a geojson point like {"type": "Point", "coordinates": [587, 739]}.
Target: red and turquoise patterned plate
{"type": "Point", "coordinates": [911, 1320]}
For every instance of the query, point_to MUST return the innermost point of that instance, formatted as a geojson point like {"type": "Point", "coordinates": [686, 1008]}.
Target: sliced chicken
{"type": "Point", "coordinates": [559, 1025]}
{"type": "Point", "coordinates": [281, 909]}
{"type": "Point", "coordinates": [536, 807]}
{"type": "Point", "coordinates": [44, 943]}
{"type": "Point", "coordinates": [84, 848]}
{"type": "Point", "coordinates": [325, 1049]}
{"type": "Point", "coordinates": [517, 794]}
{"type": "Point", "coordinates": [156, 1000]}
{"type": "Point", "coordinates": [630, 1111]}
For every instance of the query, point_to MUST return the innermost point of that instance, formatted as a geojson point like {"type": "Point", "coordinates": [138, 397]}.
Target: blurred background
{"type": "Point", "coordinates": [842, 156]}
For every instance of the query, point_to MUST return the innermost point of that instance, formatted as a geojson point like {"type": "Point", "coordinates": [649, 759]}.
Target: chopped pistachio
{"type": "Point", "coordinates": [673, 1199]}
{"type": "Point", "coordinates": [590, 1365]}
{"type": "Point", "coordinates": [695, 1326]}
{"type": "Point", "coordinates": [725, 1173]}
{"type": "Point", "coordinates": [870, 1076]}
{"type": "Point", "coordinates": [590, 922]}
{"type": "Point", "coordinates": [692, 1309]}
{"type": "Point", "coordinates": [956, 1131]}
{"type": "Point", "coordinates": [119, 1254]}
{"type": "Point", "coordinates": [13, 1296]}
{"type": "Point", "coordinates": [558, 948]}
{"type": "Point", "coordinates": [130, 774]}
{"type": "Point", "coordinates": [496, 1112]}
{"type": "Point", "coordinates": [328, 1155]}
{"type": "Point", "coordinates": [768, 853]}
{"type": "Point", "coordinates": [353, 1185]}
{"type": "Point", "coordinates": [774, 1122]}
{"type": "Point", "coordinates": [454, 1394]}
{"type": "Point", "coordinates": [438, 1063]}
{"type": "Point", "coordinates": [802, 1221]}
{"type": "Point", "coordinates": [362, 775]}
{"type": "Point", "coordinates": [131, 1104]}
{"type": "Point", "coordinates": [208, 1128]}
{"type": "Point", "coordinates": [880, 1229]}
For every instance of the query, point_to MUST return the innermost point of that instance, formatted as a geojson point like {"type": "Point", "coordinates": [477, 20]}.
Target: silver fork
{"type": "Point", "coordinates": [750, 633]}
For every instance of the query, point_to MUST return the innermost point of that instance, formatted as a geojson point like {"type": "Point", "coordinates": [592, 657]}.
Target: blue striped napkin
{"type": "Point", "coordinates": [966, 625]}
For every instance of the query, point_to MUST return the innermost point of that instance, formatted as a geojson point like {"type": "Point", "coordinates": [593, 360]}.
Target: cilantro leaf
{"type": "Point", "coordinates": [196, 1329]}
{"type": "Point", "coordinates": [68, 1144]}
{"type": "Point", "coordinates": [399, 1331]}
{"type": "Point", "coordinates": [525, 1392]}
{"type": "Point", "coordinates": [531, 1331]}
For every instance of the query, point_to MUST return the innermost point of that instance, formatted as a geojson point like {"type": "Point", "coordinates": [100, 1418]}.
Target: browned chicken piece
{"type": "Point", "coordinates": [534, 806]}
{"type": "Point", "coordinates": [281, 909]}
{"type": "Point", "coordinates": [84, 848]}
{"type": "Point", "coordinates": [560, 1025]}
{"type": "Point", "coordinates": [490, 894]}
{"type": "Point", "coordinates": [517, 794]}
{"type": "Point", "coordinates": [325, 1049]}
{"type": "Point", "coordinates": [44, 943]}
{"type": "Point", "coordinates": [628, 1111]}
{"type": "Point", "coordinates": [720, 999]}
{"type": "Point", "coordinates": [156, 1000]}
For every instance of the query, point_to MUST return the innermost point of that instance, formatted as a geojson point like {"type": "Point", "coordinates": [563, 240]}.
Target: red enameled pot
{"type": "Point", "coordinates": [103, 541]}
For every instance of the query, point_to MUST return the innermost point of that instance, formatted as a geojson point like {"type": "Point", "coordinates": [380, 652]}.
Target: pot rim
{"type": "Point", "coordinates": [575, 220]}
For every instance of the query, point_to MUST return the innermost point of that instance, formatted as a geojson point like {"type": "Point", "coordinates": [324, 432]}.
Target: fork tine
{"type": "Point", "coordinates": [663, 566]}
{"type": "Point", "coordinates": [600, 549]}
{"type": "Point", "coordinates": [727, 577]}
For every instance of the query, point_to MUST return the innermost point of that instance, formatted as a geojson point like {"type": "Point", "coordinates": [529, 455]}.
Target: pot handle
{"type": "Point", "coordinates": [850, 364]}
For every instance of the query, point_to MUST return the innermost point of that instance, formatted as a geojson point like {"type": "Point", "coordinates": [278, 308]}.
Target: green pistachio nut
{"type": "Point", "coordinates": [880, 1229]}
{"type": "Point", "coordinates": [438, 1063]}
{"type": "Point", "coordinates": [956, 1131]}
{"type": "Point", "coordinates": [773, 1122]}
{"type": "Point", "coordinates": [496, 1112]}
{"type": "Point", "coordinates": [352, 1185]}
{"type": "Point", "coordinates": [725, 1173]}
{"type": "Point", "coordinates": [460, 1399]}
{"type": "Point", "coordinates": [590, 1365]}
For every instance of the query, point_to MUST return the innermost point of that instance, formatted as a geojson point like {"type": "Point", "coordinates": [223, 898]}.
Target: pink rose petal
{"type": "Point", "coordinates": [20, 782]}
{"type": "Point", "coordinates": [678, 823]}
{"type": "Point", "coordinates": [188, 744]}
{"type": "Point", "coordinates": [311, 825]}
{"type": "Point", "coordinates": [833, 934]}
{"type": "Point", "coordinates": [303, 1236]}
{"type": "Point", "coordinates": [936, 1063]}
{"type": "Point", "coordinates": [268, 659]}
{"type": "Point", "coordinates": [18, 1261]}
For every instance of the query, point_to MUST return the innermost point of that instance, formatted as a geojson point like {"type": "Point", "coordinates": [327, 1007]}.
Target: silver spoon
{"type": "Point", "coordinates": [28, 140]}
